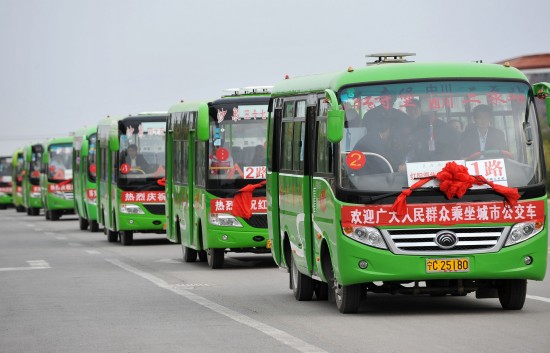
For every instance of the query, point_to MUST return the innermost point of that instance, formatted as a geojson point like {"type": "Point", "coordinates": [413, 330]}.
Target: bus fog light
{"type": "Point", "coordinates": [131, 221]}
{"type": "Point", "coordinates": [224, 237]}
{"type": "Point", "coordinates": [363, 264]}
{"type": "Point", "coordinates": [523, 231]}
{"type": "Point", "coordinates": [367, 235]}
{"type": "Point", "coordinates": [528, 260]}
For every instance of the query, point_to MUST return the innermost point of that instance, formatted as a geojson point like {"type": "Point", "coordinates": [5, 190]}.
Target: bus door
{"type": "Point", "coordinates": [295, 180]}
{"type": "Point", "coordinates": [169, 189]}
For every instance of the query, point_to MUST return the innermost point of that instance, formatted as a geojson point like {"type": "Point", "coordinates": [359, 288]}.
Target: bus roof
{"type": "Point", "coordinates": [59, 140]}
{"type": "Point", "coordinates": [385, 73]}
{"type": "Point", "coordinates": [194, 105]}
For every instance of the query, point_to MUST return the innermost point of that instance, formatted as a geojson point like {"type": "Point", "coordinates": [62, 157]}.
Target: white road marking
{"type": "Point", "coordinates": [542, 299]}
{"type": "Point", "coordinates": [61, 238]}
{"type": "Point", "coordinates": [38, 229]}
{"type": "Point", "coordinates": [75, 244]}
{"type": "Point", "coordinates": [169, 261]}
{"type": "Point", "coordinates": [93, 252]}
{"type": "Point", "coordinates": [49, 233]}
{"type": "Point", "coordinates": [273, 332]}
{"type": "Point", "coordinates": [30, 225]}
{"type": "Point", "coordinates": [33, 265]}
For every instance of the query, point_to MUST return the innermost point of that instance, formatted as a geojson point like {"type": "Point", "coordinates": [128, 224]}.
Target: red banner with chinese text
{"type": "Point", "coordinates": [258, 205]}
{"type": "Point", "coordinates": [92, 194]}
{"type": "Point", "coordinates": [59, 187]}
{"type": "Point", "coordinates": [143, 196]}
{"type": "Point", "coordinates": [443, 214]}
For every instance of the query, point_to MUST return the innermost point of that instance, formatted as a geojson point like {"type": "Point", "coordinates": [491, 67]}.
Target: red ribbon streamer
{"type": "Point", "coordinates": [242, 202]}
{"type": "Point", "coordinates": [454, 181]}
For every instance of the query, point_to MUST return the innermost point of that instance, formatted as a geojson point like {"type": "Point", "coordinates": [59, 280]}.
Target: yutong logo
{"type": "Point", "coordinates": [446, 239]}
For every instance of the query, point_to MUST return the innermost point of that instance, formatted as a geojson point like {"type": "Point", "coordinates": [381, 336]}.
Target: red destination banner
{"type": "Point", "coordinates": [143, 196]}
{"type": "Point", "coordinates": [59, 187]}
{"type": "Point", "coordinates": [92, 194]}
{"type": "Point", "coordinates": [258, 205]}
{"type": "Point", "coordinates": [35, 188]}
{"type": "Point", "coordinates": [444, 214]}
{"type": "Point", "coordinates": [19, 189]}
{"type": "Point", "coordinates": [5, 189]}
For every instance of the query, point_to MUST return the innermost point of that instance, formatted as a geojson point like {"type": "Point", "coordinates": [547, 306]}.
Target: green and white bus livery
{"type": "Point", "coordinates": [215, 189]}
{"type": "Point", "coordinates": [130, 168]}
{"type": "Point", "coordinates": [17, 171]}
{"type": "Point", "coordinates": [32, 198]}
{"type": "Point", "coordinates": [6, 191]}
{"type": "Point", "coordinates": [348, 153]}
{"type": "Point", "coordinates": [84, 178]}
{"type": "Point", "coordinates": [56, 178]}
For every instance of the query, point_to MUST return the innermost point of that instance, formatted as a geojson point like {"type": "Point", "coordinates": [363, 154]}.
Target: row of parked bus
{"type": "Point", "coordinates": [350, 188]}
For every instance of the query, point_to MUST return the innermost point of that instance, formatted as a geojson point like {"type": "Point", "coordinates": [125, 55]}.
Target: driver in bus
{"type": "Point", "coordinates": [135, 160]}
{"type": "Point", "coordinates": [482, 136]}
{"type": "Point", "coordinates": [378, 141]}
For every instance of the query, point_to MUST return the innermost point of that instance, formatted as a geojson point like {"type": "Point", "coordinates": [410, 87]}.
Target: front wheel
{"type": "Point", "coordinates": [214, 257]}
{"type": "Point", "coordinates": [203, 257]}
{"type": "Point", "coordinates": [35, 211]}
{"type": "Point", "coordinates": [94, 226]}
{"type": "Point", "coordinates": [126, 237]}
{"type": "Point", "coordinates": [302, 285]}
{"type": "Point", "coordinates": [55, 215]}
{"type": "Point", "coordinates": [189, 255]}
{"type": "Point", "coordinates": [512, 293]}
{"type": "Point", "coordinates": [112, 236]}
{"type": "Point", "coordinates": [82, 223]}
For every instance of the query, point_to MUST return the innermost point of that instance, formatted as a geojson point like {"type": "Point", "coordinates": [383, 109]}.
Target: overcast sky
{"type": "Point", "coordinates": [65, 64]}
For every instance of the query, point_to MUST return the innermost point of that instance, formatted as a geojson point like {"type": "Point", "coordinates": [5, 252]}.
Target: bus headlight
{"type": "Point", "coordinates": [224, 220]}
{"type": "Point", "coordinates": [367, 235]}
{"type": "Point", "coordinates": [3, 194]}
{"type": "Point", "coordinates": [59, 194]}
{"type": "Point", "coordinates": [35, 195]}
{"type": "Point", "coordinates": [130, 209]}
{"type": "Point", "coordinates": [523, 231]}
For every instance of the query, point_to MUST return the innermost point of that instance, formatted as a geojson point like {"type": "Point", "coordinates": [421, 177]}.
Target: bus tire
{"type": "Point", "coordinates": [94, 226]}
{"type": "Point", "coordinates": [512, 293]}
{"type": "Point", "coordinates": [112, 236]}
{"type": "Point", "coordinates": [55, 215]}
{"type": "Point", "coordinates": [321, 290]}
{"type": "Point", "coordinates": [126, 237]}
{"type": "Point", "coordinates": [302, 285]}
{"type": "Point", "coordinates": [82, 223]}
{"type": "Point", "coordinates": [203, 257]}
{"type": "Point", "coordinates": [214, 257]}
{"type": "Point", "coordinates": [35, 211]}
{"type": "Point", "coordinates": [348, 298]}
{"type": "Point", "coordinates": [47, 214]}
{"type": "Point", "coordinates": [29, 211]}
{"type": "Point", "coordinates": [189, 255]}
{"type": "Point", "coordinates": [3, 207]}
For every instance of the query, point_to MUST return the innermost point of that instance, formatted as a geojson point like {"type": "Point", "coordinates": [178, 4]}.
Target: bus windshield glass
{"type": "Point", "coordinates": [141, 154]}
{"type": "Point", "coordinates": [397, 134]}
{"type": "Point", "coordinates": [19, 169]}
{"type": "Point", "coordinates": [236, 149]}
{"type": "Point", "coordinates": [91, 157]}
{"type": "Point", "coordinates": [5, 170]}
{"type": "Point", "coordinates": [35, 164]}
{"type": "Point", "coordinates": [60, 165]}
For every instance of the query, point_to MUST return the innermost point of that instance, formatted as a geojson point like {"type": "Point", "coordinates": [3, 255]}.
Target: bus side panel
{"type": "Point", "coordinates": [171, 233]}
{"type": "Point", "coordinates": [272, 194]}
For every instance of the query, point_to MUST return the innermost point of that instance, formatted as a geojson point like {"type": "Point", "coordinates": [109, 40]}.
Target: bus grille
{"type": "Point", "coordinates": [155, 208]}
{"type": "Point", "coordinates": [257, 221]}
{"type": "Point", "coordinates": [422, 241]}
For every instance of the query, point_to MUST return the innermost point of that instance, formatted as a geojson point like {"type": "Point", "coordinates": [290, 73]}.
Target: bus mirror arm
{"type": "Point", "coordinates": [542, 91]}
{"type": "Point", "coordinates": [335, 118]}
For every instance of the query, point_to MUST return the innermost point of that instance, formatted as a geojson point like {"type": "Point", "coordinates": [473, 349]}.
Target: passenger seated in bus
{"type": "Point", "coordinates": [136, 161]}
{"type": "Point", "coordinates": [482, 136]}
{"type": "Point", "coordinates": [57, 167]}
{"type": "Point", "coordinates": [456, 125]}
{"type": "Point", "coordinates": [377, 146]}
{"type": "Point", "coordinates": [258, 160]}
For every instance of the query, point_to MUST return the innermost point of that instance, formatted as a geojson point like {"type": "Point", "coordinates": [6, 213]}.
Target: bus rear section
{"type": "Point", "coordinates": [131, 196]}
{"type": "Point", "coordinates": [6, 191]}
{"type": "Point", "coordinates": [84, 178]}
{"type": "Point", "coordinates": [402, 199]}
{"type": "Point", "coordinates": [217, 180]}
{"type": "Point", "coordinates": [56, 181]}
{"type": "Point", "coordinates": [32, 199]}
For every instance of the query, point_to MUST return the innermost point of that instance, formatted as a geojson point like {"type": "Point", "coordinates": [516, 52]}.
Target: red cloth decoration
{"type": "Point", "coordinates": [161, 182]}
{"type": "Point", "coordinates": [65, 182]}
{"type": "Point", "coordinates": [243, 200]}
{"type": "Point", "coordinates": [455, 181]}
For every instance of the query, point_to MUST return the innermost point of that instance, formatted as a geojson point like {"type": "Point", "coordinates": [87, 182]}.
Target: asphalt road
{"type": "Point", "coordinates": [64, 290]}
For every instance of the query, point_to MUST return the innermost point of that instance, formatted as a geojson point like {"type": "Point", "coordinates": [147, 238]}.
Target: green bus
{"type": "Point", "coordinates": [130, 161]}
{"type": "Point", "coordinates": [347, 153]}
{"type": "Point", "coordinates": [84, 178]}
{"type": "Point", "coordinates": [6, 199]}
{"type": "Point", "coordinates": [56, 178]}
{"type": "Point", "coordinates": [18, 167]}
{"type": "Point", "coordinates": [216, 148]}
{"type": "Point", "coordinates": [32, 199]}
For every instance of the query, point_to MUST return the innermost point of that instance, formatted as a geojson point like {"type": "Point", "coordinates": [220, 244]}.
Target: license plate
{"type": "Point", "coordinates": [448, 265]}
{"type": "Point", "coordinates": [268, 244]}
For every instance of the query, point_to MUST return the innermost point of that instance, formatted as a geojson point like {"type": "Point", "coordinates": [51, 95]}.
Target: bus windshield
{"type": "Point", "coordinates": [35, 164]}
{"type": "Point", "coordinates": [60, 165]}
{"type": "Point", "coordinates": [5, 170]}
{"type": "Point", "coordinates": [141, 154]}
{"type": "Point", "coordinates": [91, 157]}
{"type": "Point", "coordinates": [19, 169]}
{"type": "Point", "coordinates": [236, 148]}
{"type": "Point", "coordinates": [396, 134]}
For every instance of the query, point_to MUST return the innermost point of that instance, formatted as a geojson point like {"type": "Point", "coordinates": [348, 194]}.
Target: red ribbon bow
{"type": "Point", "coordinates": [454, 181]}
{"type": "Point", "coordinates": [242, 203]}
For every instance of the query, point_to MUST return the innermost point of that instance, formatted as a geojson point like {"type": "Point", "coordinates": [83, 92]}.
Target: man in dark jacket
{"type": "Point", "coordinates": [482, 137]}
{"type": "Point", "coordinates": [135, 160]}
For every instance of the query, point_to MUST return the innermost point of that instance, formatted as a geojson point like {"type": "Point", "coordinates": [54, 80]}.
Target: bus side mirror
{"type": "Point", "coordinates": [542, 91]}
{"type": "Point", "coordinates": [335, 123]}
{"type": "Point", "coordinates": [203, 123]}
